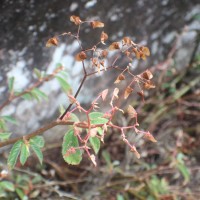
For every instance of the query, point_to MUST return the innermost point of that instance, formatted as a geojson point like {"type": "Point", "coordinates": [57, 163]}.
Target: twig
{"type": "Point", "coordinates": [35, 85]}
{"type": "Point", "coordinates": [35, 133]}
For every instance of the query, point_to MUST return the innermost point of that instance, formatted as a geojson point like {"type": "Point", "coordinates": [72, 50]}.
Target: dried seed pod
{"type": "Point", "coordinates": [52, 42]}
{"type": "Point", "coordinates": [119, 78]}
{"type": "Point", "coordinates": [126, 40]}
{"type": "Point", "coordinates": [81, 56]}
{"type": "Point", "coordinates": [131, 112]}
{"type": "Point", "coordinates": [114, 46]}
{"type": "Point", "coordinates": [104, 37]}
{"type": "Point", "coordinates": [75, 19]}
{"type": "Point", "coordinates": [145, 50]}
{"type": "Point", "coordinates": [148, 85]}
{"type": "Point", "coordinates": [127, 92]}
{"type": "Point", "coordinates": [104, 53]}
{"type": "Point", "coordinates": [146, 75]}
{"type": "Point", "coordinates": [150, 137]}
{"type": "Point", "coordinates": [97, 24]}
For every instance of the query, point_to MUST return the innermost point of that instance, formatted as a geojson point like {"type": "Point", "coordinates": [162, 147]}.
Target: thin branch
{"type": "Point", "coordinates": [35, 133]}
{"type": "Point", "coordinates": [28, 90]}
{"type": "Point", "coordinates": [77, 92]}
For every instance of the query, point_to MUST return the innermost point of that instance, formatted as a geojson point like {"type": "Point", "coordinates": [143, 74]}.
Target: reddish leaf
{"type": "Point", "coordinates": [52, 42]}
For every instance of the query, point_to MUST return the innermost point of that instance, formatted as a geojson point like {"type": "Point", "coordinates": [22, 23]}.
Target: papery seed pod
{"type": "Point", "coordinates": [104, 94]}
{"type": "Point", "coordinates": [146, 75]}
{"type": "Point", "coordinates": [141, 94]}
{"type": "Point", "coordinates": [127, 92]}
{"type": "Point", "coordinates": [115, 93]}
{"type": "Point", "coordinates": [145, 50]}
{"type": "Point", "coordinates": [137, 53]}
{"type": "Point", "coordinates": [95, 61]}
{"type": "Point", "coordinates": [127, 53]}
{"type": "Point", "coordinates": [104, 37]}
{"type": "Point", "coordinates": [81, 56]}
{"type": "Point", "coordinates": [131, 112]}
{"type": "Point", "coordinates": [52, 42]}
{"type": "Point", "coordinates": [148, 85]}
{"type": "Point", "coordinates": [114, 46]}
{"type": "Point", "coordinates": [126, 40]}
{"type": "Point", "coordinates": [142, 55]}
{"type": "Point", "coordinates": [104, 53]}
{"type": "Point", "coordinates": [93, 132]}
{"type": "Point", "coordinates": [134, 150]}
{"type": "Point", "coordinates": [93, 159]}
{"type": "Point", "coordinates": [75, 19]}
{"type": "Point", "coordinates": [97, 24]}
{"type": "Point", "coordinates": [119, 78]}
{"type": "Point", "coordinates": [150, 137]}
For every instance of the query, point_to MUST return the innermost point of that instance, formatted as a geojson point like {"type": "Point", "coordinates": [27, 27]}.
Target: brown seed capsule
{"type": "Point", "coordinates": [52, 42]}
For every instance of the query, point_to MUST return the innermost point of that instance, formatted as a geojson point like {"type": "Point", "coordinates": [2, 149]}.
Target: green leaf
{"type": "Point", "coordinates": [38, 141]}
{"type": "Point", "coordinates": [37, 179]}
{"type": "Point", "coordinates": [3, 126]}
{"type": "Point", "coordinates": [11, 83]}
{"type": "Point", "coordinates": [106, 157]}
{"type": "Point", "coordinates": [61, 109]}
{"type": "Point", "coordinates": [2, 193]}
{"type": "Point", "coordinates": [94, 115]}
{"type": "Point", "coordinates": [4, 136]}
{"type": "Point", "coordinates": [37, 151]}
{"type": "Point", "coordinates": [73, 118]}
{"type": "Point", "coordinates": [69, 141]}
{"type": "Point", "coordinates": [25, 153]}
{"type": "Point", "coordinates": [14, 153]}
{"type": "Point", "coordinates": [100, 130]}
{"type": "Point", "coordinates": [182, 167]}
{"type": "Point", "coordinates": [64, 74]}
{"type": "Point", "coordinates": [120, 197]}
{"type": "Point", "coordinates": [37, 72]}
{"type": "Point", "coordinates": [97, 118]}
{"type": "Point", "coordinates": [21, 194]}
{"type": "Point", "coordinates": [27, 96]}
{"type": "Point", "coordinates": [99, 121]}
{"type": "Point", "coordinates": [38, 94]}
{"type": "Point", "coordinates": [9, 119]}
{"type": "Point", "coordinates": [7, 185]}
{"type": "Point", "coordinates": [63, 83]}
{"type": "Point", "coordinates": [95, 142]}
